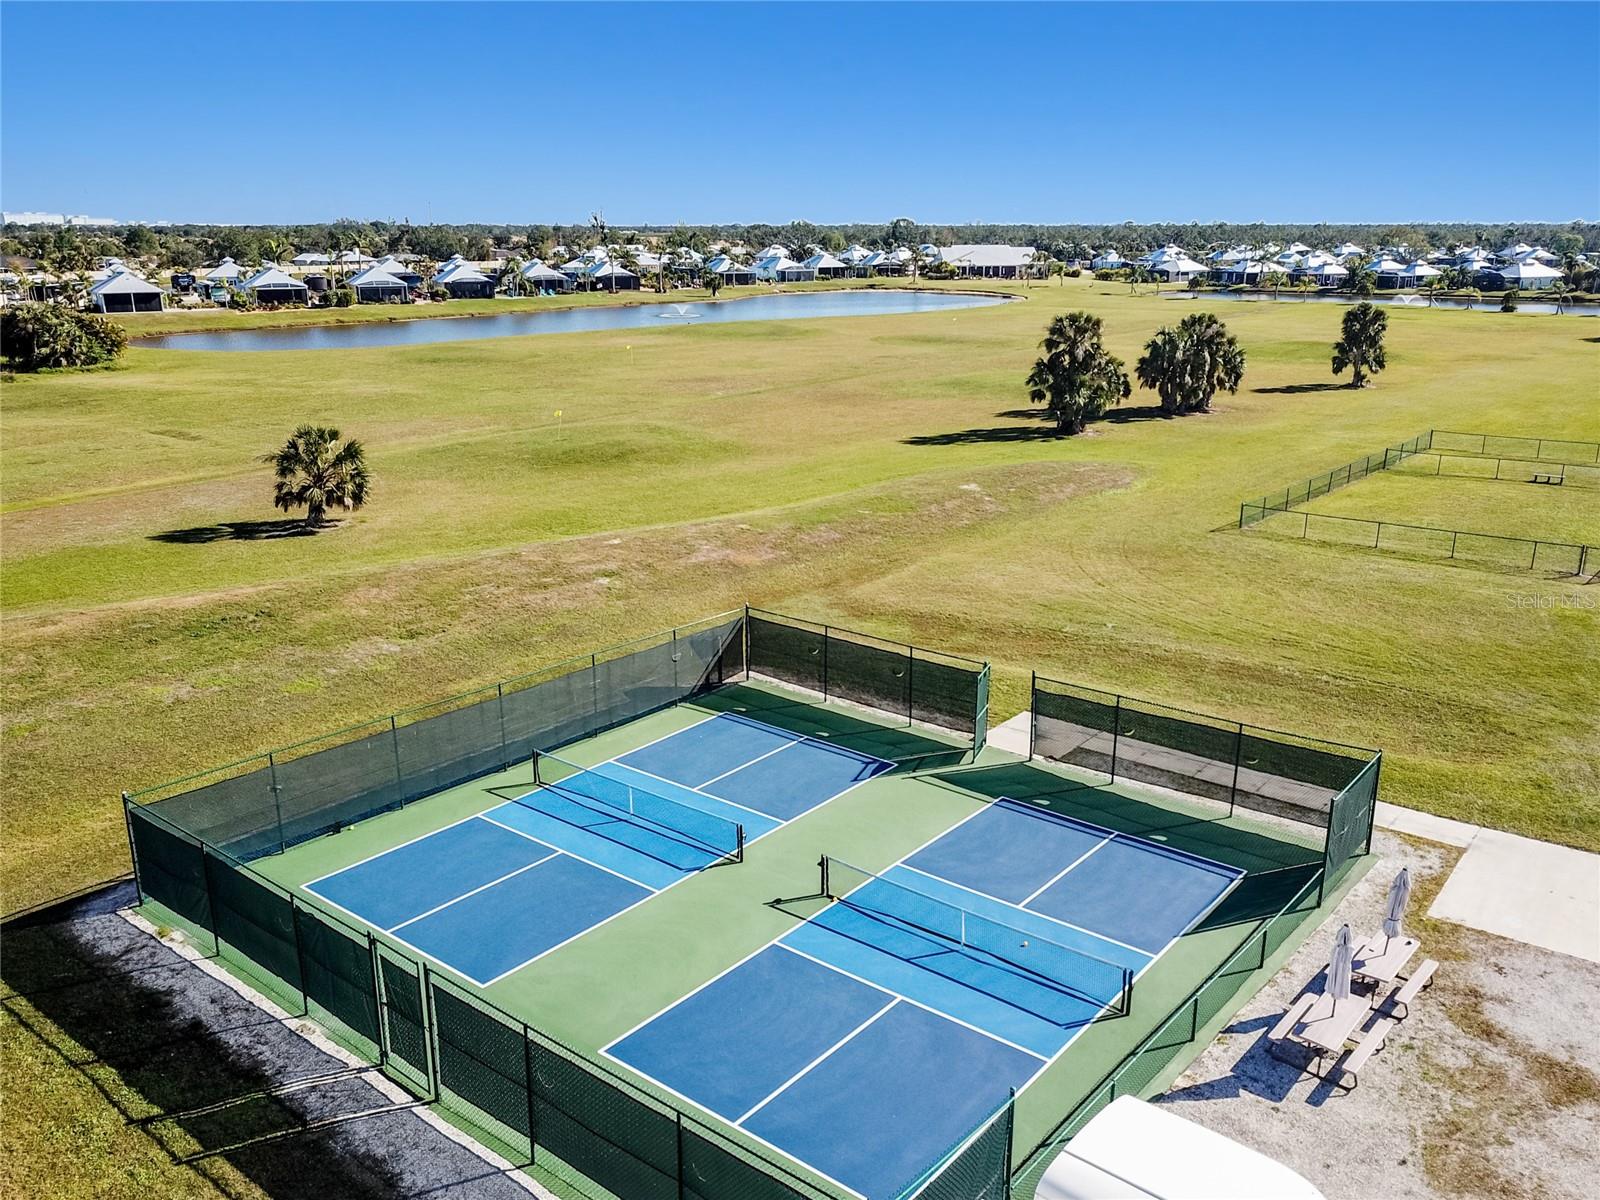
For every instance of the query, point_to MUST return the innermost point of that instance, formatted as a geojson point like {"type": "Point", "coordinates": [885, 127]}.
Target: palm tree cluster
{"type": "Point", "coordinates": [1076, 378]}
{"type": "Point", "coordinates": [1189, 365]}
{"type": "Point", "coordinates": [1360, 349]}
{"type": "Point", "coordinates": [317, 469]}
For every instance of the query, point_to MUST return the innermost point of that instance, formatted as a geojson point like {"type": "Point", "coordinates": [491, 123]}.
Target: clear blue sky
{"type": "Point", "coordinates": [701, 112]}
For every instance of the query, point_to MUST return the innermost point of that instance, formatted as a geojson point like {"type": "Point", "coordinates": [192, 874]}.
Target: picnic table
{"type": "Point", "coordinates": [1379, 960]}
{"type": "Point", "coordinates": [1326, 1025]}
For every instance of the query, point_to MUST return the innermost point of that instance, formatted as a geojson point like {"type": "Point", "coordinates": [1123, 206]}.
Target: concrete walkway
{"type": "Point", "coordinates": [1533, 892]}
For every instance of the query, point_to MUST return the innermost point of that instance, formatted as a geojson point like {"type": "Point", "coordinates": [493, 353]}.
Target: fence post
{"type": "Point", "coordinates": [594, 693]}
{"type": "Point", "coordinates": [277, 800]}
{"type": "Point", "coordinates": [1033, 713]}
{"type": "Point", "coordinates": [1377, 534]}
{"type": "Point", "coordinates": [825, 636]}
{"type": "Point", "coordinates": [500, 707]}
{"type": "Point", "coordinates": [1454, 534]}
{"type": "Point", "coordinates": [911, 684]}
{"type": "Point", "coordinates": [399, 775]}
{"type": "Point", "coordinates": [1305, 524]}
{"type": "Point", "coordinates": [433, 1033]}
{"type": "Point", "coordinates": [377, 998]}
{"type": "Point", "coordinates": [1534, 557]}
{"type": "Point", "coordinates": [745, 632]}
{"type": "Point", "coordinates": [528, 1078]}
{"type": "Point", "coordinates": [211, 900]}
{"type": "Point", "coordinates": [1238, 753]}
{"type": "Point", "coordinates": [1011, 1133]}
{"type": "Point", "coordinates": [299, 955]}
{"type": "Point", "coordinates": [677, 1151]}
{"type": "Point", "coordinates": [1116, 732]}
{"type": "Point", "coordinates": [133, 851]}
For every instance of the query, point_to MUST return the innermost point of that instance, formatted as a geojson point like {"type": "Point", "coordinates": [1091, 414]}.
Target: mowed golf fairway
{"type": "Point", "coordinates": [880, 471]}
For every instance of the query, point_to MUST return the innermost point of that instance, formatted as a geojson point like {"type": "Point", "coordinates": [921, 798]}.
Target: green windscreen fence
{"type": "Point", "coordinates": [265, 804]}
{"type": "Point", "coordinates": [1236, 765]}
{"type": "Point", "coordinates": [904, 681]}
{"type": "Point", "coordinates": [977, 1169]}
{"type": "Point", "coordinates": [1350, 826]}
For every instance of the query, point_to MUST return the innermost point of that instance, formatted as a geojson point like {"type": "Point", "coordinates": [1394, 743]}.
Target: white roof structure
{"type": "Point", "coordinates": [354, 256]}
{"type": "Point", "coordinates": [458, 270]}
{"type": "Point", "coordinates": [1317, 258]}
{"type": "Point", "coordinates": [124, 283]}
{"type": "Point", "coordinates": [309, 259]}
{"type": "Point", "coordinates": [774, 251]}
{"type": "Point", "coordinates": [376, 275]}
{"type": "Point", "coordinates": [1134, 1149]}
{"type": "Point", "coordinates": [226, 269]}
{"type": "Point", "coordinates": [1107, 260]}
{"type": "Point", "coordinates": [684, 256]}
{"type": "Point", "coordinates": [1515, 250]}
{"type": "Point", "coordinates": [1180, 265]}
{"type": "Point", "coordinates": [1384, 265]}
{"type": "Point", "coordinates": [1528, 271]}
{"type": "Point", "coordinates": [1327, 270]}
{"type": "Point", "coordinates": [823, 261]}
{"type": "Point", "coordinates": [536, 271]}
{"type": "Point", "coordinates": [853, 254]}
{"type": "Point", "coordinates": [723, 265]}
{"type": "Point", "coordinates": [1421, 270]}
{"type": "Point", "coordinates": [609, 270]}
{"type": "Point", "coordinates": [986, 256]}
{"type": "Point", "coordinates": [272, 277]}
{"type": "Point", "coordinates": [1347, 250]}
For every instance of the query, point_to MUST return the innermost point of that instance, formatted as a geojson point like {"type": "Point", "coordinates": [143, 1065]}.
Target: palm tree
{"type": "Point", "coordinates": [275, 250]}
{"type": "Point", "coordinates": [1077, 378]}
{"type": "Point", "coordinates": [1361, 347]}
{"type": "Point", "coordinates": [1561, 295]}
{"type": "Point", "coordinates": [1361, 281]}
{"type": "Point", "coordinates": [1188, 365]}
{"type": "Point", "coordinates": [713, 282]}
{"type": "Point", "coordinates": [511, 272]}
{"type": "Point", "coordinates": [1161, 367]}
{"type": "Point", "coordinates": [317, 470]}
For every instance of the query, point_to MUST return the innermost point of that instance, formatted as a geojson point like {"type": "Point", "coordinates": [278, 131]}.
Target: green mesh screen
{"type": "Point", "coordinates": [236, 812]}
{"type": "Point", "coordinates": [255, 920]}
{"type": "Point", "coordinates": [171, 867]}
{"type": "Point", "coordinates": [787, 652]}
{"type": "Point", "coordinates": [947, 694]}
{"type": "Point", "coordinates": [613, 1135]}
{"type": "Point", "coordinates": [980, 1170]}
{"type": "Point", "coordinates": [875, 676]}
{"type": "Point", "coordinates": [633, 684]}
{"type": "Point", "coordinates": [713, 1170]}
{"type": "Point", "coordinates": [325, 786]}
{"type": "Point", "coordinates": [338, 977]}
{"type": "Point", "coordinates": [482, 1063]}
{"type": "Point", "coordinates": [1074, 725]}
{"type": "Point", "coordinates": [404, 1024]}
{"type": "Point", "coordinates": [549, 713]}
{"type": "Point", "coordinates": [448, 747]}
{"type": "Point", "coordinates": [1183, 751]}
{"type": "Point", "coordinates": [1350, 822]}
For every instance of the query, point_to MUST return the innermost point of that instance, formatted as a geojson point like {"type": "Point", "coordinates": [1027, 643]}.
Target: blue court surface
{"type": "Point", "coordinates": [870, 1039]}
{"type": "Point", "coordinates": [490, 894]}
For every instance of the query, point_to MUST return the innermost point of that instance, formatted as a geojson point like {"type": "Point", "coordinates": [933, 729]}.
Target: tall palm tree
{"type": "Point", "coordinates": [1077, 378]}
{"type": "Point", "coordinates": [275, 250]}
{"type": "Point", "coordinates": [1161, 369]}
{"type": "Point", "coordinates": [317, 470]}
{"type": "Point", "coordinates": [1361, 347]}
{"type": "Point", "coordinates": [511, 273]}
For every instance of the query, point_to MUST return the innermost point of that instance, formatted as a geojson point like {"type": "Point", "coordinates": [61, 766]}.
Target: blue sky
{"type": "Point", "coordinates": [768, 112]}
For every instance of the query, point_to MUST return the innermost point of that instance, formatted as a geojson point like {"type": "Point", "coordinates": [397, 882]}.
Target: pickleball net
{"type": "Point", "coordinates": [652, 811]}
{"type": "Point", "coordinates": [1037, 966]}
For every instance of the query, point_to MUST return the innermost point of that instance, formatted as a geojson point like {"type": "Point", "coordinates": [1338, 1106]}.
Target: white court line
{"type": "Point", "coordinates": [775, 750]}
{"type": "Point", "coordinates": [812, 1065]}
{"type": "Point", "coordinates": [727, 1120]}
{"type": "Point", "coordinates": [474, 891]}
{"type": "Point", "coordinates": [686, 787]}
{"type": "Point", "coordinates": [1099, 937]}
{"type": "Point", "coordinates": [1056, 878]}
{"type": "Point", "coordinates": [823, 742]}
{"type": "Point", "coordinates": [579, 857]}
{"type": "Point", "coordinates": [915, 1003]}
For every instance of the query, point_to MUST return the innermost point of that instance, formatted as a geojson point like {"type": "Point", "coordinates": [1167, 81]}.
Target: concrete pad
{"type": "Point", "coordinates": [1535, 892]}
{"type": "Point", "coordinates": [1014, 736]}
{"type": "Point", "coordinates": [1424, 825]}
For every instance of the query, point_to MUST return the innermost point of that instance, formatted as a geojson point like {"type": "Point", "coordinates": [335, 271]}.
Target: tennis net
{"type": "Point", "coordinates": [592, 787]}
{"type": "Point", "coordinates": [1038, 961]}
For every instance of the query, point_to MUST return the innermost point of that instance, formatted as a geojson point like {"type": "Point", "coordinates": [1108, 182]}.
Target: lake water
{"type": "Point", "coordinates": [1407, 301]}
{"type": "Point", "coordinates": [778, 306]}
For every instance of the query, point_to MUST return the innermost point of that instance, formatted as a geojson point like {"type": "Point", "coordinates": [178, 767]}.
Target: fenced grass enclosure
{"type": "Point", "coordinates": [541, 1100]}
{"type": "Point", "coordinates": [1544, 462]}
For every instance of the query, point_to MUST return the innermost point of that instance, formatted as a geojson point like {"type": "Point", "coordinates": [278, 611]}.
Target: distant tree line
{"type": "Point", "coordinates": [184, 247]}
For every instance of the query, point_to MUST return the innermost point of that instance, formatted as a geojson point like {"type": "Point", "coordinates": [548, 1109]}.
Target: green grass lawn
{"type": "Point", "coordinates": [877, 471]}
{"type": "Point", "coordinates": [1519, 510]}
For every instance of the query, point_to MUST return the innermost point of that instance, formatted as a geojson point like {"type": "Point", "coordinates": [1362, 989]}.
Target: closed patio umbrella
{"type": "Point", "coordinates": [1399, 897]}
{"type": "Point", "coordinates": [1339, 963]}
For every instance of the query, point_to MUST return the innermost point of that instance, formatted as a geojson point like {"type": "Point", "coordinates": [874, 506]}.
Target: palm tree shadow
{"type": "Point", "coordinates": [1142, 412]}
{"type": "Point", "coordinates": [1296, 389]}
{"type": "Point", "coordinates": [1000, 433]}
{"type": "Point", "coordinates": [240, 531]}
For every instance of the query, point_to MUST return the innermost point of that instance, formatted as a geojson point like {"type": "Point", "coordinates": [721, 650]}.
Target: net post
{"type": "Point", "coordinates": [827, 887]}
{"type": "Point", "coordinates": [738, 853]}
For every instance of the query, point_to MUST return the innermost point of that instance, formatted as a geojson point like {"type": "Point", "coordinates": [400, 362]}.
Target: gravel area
{"type": "Point", "coordinates": [1491, 1088]}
